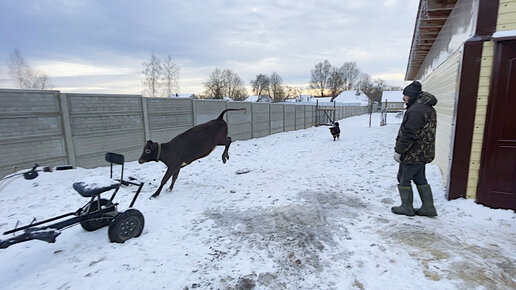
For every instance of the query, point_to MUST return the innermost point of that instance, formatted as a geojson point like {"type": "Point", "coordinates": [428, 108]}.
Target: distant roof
{"type": "Point", "coordinates": [346, 97]}
{"type": "Point", "coordinates": [392, 96]}
{"type": "Point", "coordinates": [182, 96]}
{"type": "Point", "coordinates": [255, 99]}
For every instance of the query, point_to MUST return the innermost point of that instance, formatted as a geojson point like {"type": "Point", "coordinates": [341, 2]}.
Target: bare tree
{"type": "Point", "coordinates": [374, 89]}
{"type": "Point", "coordinates": [233, 86]}
{"type": "Point", "coordinates": [276, 88]}
{"type": "Point", "coordinates": [24, 75]}
{"type": "Point", "coordinates": [320, 75]}
{"type": "Point", "coordinates": [215, 85]}
{"type": "Point", "coordinates": [336, 82]}
{"type": "Point", "coordinates": [260, 85]}
{"type": "Point", "coordinates": [170, 76]}
{"type": "Point", "coordinates": [351, 74]}
{"type": "Point", "coordinates": [152, 72]}
{"type": "Point", "coordinates": [292, 92]}
{"type": "Point", "coordinates": [362, 82]}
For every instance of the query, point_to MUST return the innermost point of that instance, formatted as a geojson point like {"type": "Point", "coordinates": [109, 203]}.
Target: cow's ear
{"type": "Point", "coordinates": [150, 142]}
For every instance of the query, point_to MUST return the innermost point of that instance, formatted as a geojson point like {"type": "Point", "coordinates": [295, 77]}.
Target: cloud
{"type": "Point", "coordinates": [74, 69]}
{"type": "Point", "coordinates": [72, 39]}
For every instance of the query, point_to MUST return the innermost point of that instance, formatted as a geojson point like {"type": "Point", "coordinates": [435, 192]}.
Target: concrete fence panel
{"type": "Point", "coordinates": [102, 123]}
{"type": "Point", "coordinates": [31, 129]}
{"type": "Point", "coordinates": [168, 118]}
{"type": "Point", "coordinates": [52, 128]}
{"type": "Point", "coordinates": [261, 121]}
{"type": "Point", "coordinates": [277, 121]}
{"type": "Point", "coordinates": [300, 117]}
{"type": "Point", "coordinates": [308, 116]}
{"type": "Point", "coordinates": [239, 123]}
{"type": "Point", "coordinates": [207, 110]}
{"type": "Point", "coordinates": [290, 117]}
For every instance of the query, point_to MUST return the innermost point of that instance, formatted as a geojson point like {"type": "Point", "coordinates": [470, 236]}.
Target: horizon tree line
{"type": "Point", "coordinates": [161, 79]}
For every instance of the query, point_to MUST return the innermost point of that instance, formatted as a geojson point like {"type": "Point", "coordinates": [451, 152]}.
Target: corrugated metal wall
{"type": "Point", "coordinates": [443, 83]}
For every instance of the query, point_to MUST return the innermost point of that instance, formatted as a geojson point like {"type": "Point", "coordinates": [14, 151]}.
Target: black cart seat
{"type": "Point", "coordinates": [89, 189]}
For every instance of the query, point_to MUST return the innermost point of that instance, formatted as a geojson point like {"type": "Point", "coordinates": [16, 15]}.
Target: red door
{"type": "Point", "coordinates": [497, 180]}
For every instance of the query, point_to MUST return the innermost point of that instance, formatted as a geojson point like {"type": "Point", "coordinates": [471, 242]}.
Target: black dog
{"type": "Point", "coordinates": [194, 143]}
{"type": "Point", "coordinates": [335, 131]}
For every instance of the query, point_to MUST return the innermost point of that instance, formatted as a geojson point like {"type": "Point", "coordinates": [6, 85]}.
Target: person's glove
{"type": "Point", "coordinates": [396, 156]}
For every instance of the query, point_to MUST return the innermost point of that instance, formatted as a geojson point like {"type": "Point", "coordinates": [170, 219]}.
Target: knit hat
{"type": "Point", "coordinates": [413, 90]}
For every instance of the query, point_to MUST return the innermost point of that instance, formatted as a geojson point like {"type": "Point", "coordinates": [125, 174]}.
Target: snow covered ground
{"type": "Point", "coordinates": [310, 213]}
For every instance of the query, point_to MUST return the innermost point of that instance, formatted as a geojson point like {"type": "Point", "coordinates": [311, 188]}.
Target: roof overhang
{"type": "Point", "coordinates": [431, 17]}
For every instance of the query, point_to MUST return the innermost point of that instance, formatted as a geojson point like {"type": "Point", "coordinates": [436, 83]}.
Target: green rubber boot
{"type": "Point", "coordinates": [427, 209]}
{"type": "Point", "coordinates": [406, 202]}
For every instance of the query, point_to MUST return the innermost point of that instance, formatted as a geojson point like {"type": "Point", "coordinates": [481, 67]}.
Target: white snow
{"type": "Point", "coordinates": [294, 210]}
{"type": "Point", "coordinates": [507, 33]}
{"type": "Point", "coordinates": [255, 98]}
{"type": "Point", "coordinates": [92, 182]}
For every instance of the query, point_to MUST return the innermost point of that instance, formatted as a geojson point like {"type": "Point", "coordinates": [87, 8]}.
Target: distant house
{"type": "Point", "coordinates": [259, 99]}
{"type": "Point", "coordinates": [304, 99]}
{"type": "Point", "coordinates": [184, 96]}
{"type": "Point", "coordinates": [393, 100]}
{"type": "Point", "coordinates": [348, 98]}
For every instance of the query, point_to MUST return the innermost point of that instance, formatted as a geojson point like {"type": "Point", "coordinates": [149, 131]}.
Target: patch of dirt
{"type": "Point", "coordinates": [292, 236]}
{"type": "Point", "coordinates": [471, 266]}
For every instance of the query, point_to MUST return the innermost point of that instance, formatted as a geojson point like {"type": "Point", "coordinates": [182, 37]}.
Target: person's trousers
{"type": "Point", "coordinates": [408, 172]}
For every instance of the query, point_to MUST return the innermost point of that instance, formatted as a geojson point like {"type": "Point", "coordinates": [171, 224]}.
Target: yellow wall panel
{"type": "Point", "coordinates": [506, 15]}
{"type": "Point", "coordinates": [484, 91]}
{"type": "Point", "coordinates": [507, 18]}
{"type": "Point", "coordinates": [480, 117]}
{"type": "Point", "coordinates": [484, 82]}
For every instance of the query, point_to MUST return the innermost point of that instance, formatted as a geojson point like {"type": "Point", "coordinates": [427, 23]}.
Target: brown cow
{"type": "Point", "coordinates": [194, 143]}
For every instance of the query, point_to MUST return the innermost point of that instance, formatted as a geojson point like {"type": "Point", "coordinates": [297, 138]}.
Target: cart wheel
{"type": "Point", "coordinates": [126, 225]}
{"type": "Point", "coordinates": [95, 224]}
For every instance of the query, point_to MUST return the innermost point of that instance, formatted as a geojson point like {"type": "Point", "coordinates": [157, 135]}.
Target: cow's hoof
{"type": "Point", "coordinates": [154, 195]}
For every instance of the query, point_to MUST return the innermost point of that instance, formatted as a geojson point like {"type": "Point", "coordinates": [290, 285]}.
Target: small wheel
{"type": "Point", "coordinates": [97, 223]}
{"type": "Point", "coordinates": [126, 225]}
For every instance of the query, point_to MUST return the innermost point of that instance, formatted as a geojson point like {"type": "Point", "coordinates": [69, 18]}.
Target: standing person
{"type": "Point", "coordinates": [415, 147]}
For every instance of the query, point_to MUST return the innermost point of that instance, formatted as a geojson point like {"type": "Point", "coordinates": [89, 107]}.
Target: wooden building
{"type": "Point", "coordinates": [392, 101]}
{"type": "Point", "coordinates": [464, 52]}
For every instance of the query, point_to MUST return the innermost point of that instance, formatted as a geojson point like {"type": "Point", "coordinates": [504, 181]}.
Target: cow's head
{"type": "Point", "coordinates": [151, 152]}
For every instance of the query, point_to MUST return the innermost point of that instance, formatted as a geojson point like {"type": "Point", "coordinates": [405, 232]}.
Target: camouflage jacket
{"type": "Point", "coordinates": [416, 137]}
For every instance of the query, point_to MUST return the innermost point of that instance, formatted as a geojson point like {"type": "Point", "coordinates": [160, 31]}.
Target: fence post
{"type": "Point", "coordinates": [252, 121]}
{"type": "Point", "coordinates": [67, 128]}
{"type": "Point", "coordinates": [284, 119]}
{"type": "Point", "coordinates": [304, 117]}
{"type": "Point", "coordinates": [270, 118]}
{"type": "Point", "coordinates": [146, 129]}
{"type": "Point", "coordinates": [194, 113]}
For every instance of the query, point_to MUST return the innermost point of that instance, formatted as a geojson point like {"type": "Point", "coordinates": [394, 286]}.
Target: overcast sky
{"type": "Point", "coordinates": [99, 46]}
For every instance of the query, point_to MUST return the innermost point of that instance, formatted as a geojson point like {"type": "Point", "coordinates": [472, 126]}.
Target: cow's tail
{"type": "Point", "coordinates": [223, 112]}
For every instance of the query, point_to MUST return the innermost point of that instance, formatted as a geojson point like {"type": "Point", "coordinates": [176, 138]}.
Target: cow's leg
{"type": "Point", "coordinates": [225, 155]}
{"type": "Point", "coordinates": [163, 181]}
{"type": "Point", "coordinates": [174, 177]}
